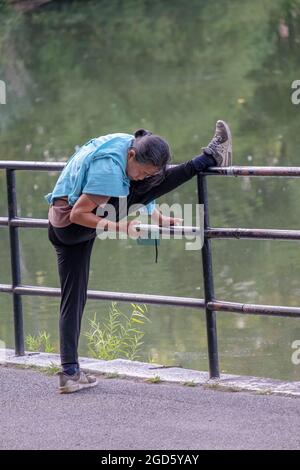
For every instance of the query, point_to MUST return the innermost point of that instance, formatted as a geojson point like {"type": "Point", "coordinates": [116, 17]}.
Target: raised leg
{"type": "Point", "coordinates": [175, 176]}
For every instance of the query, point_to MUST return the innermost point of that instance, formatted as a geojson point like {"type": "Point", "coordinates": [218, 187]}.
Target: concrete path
{"type": "Point", "coordinates": [131, 414]}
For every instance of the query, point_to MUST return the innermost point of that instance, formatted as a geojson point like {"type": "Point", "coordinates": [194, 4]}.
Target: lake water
{"type": "Point", "coordinates": [83, 69]}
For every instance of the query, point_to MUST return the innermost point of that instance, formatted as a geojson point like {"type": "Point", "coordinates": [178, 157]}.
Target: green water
{"type": "Point", "coordinates": [76, 70]}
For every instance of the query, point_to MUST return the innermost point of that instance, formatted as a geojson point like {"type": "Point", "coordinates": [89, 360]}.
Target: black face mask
{"type": "Point", "coordinates": [141, 186]}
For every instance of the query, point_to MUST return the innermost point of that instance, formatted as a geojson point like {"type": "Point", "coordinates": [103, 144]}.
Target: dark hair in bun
{"type": "Point", "coordinates": [141, 133]}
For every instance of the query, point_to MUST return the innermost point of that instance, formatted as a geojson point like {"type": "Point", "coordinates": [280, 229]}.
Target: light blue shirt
{"type": "Point", "coordinates": [98, 167]}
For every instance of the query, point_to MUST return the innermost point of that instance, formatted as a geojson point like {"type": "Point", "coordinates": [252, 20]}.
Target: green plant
{"type": "Point", "coordinates": [189, 383]}
{"type": "Point", "coordinates": [221, 387]}
{"type": "Point", "coordinates": [32, 343]}
{"type": "Point", "coordinates": [154, 380]}
{"type": "Point", "coordinates": [41, 342]}
{"type": "Point", "coordinates": [119, 336]}
{"type": "Point", "coordinates": [152, 358]}
{"type": "Point", "coordinates": [52, 369]}
{"type": "Point", "coordinates": [112, 375]}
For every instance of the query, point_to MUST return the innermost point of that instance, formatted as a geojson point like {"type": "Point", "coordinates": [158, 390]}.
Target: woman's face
{"type": "Point", "coordinates": [138, 171]}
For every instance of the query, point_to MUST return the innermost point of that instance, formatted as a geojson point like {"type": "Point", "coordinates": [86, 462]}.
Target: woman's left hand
{"type": "Point", "coordinates": [167, 221]}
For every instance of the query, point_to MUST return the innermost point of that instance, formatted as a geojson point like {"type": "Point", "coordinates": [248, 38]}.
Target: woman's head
{"type": "Point", "coordinates": [147, 157]}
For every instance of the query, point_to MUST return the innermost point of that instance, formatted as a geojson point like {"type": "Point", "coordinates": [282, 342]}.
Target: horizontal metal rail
{"type": "Point", "coordinates": [250, 233]}
{"type": "Point", "coordinates": [287, 171]}
{"type": "Point", "coordinates": [24, 222]}
{"type": "Point", "coordinates": [40, 166]}
{"type": "Point", "coordinates": [107, 295]}
{"type": "Point", "coordinates": [254, 309]}
{"type": "Point", "coordinates": [216, 305]}
{"type": "Point", "coordinates": [224, 233]}
{"type": "Point", "coordinates": [236, 233]}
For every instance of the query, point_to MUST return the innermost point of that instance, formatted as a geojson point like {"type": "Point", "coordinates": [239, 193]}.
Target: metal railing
{"type": "Point", "coordinates": [209, 303]}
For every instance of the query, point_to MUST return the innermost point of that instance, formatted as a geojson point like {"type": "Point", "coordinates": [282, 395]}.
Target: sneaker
{"type": "Point", "coordinates": [73, 383]}
{"type": "Point", "coordinates": [220, 147]}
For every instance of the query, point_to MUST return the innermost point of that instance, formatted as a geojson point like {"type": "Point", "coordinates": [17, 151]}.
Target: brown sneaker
{"type": "Point", "coordinates": [76, 382]}
{"type": "Point", "coordinates": [220, 147]}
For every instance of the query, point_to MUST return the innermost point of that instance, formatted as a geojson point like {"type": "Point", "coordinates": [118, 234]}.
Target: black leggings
{"type": "Point", "coordinates": [74, 243]}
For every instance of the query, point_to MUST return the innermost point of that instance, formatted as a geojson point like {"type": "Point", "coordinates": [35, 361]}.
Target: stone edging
{"type": "Point", "coordinates": [144, 370]}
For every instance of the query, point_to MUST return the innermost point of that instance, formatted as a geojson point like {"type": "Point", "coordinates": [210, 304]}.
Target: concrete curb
{"type": "Point", "coordinates": [144, 370]}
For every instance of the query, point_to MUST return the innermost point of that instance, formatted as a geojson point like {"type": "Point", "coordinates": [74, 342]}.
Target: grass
{"type": "Point", "coordinates": [119, 336]}
{"type": "Point", "coordinates": [112, 375]}
{"type": "Point", "coordinates": [189, 383]}
{"type": "Point", "coordinates": [40, 343]}
{"type": "Point", "coordinates": [221, 387]}
{"type": "Point", "coordinates": [234, 389]}
{"type": "Point", "coordinates": [52, 369]}
{"type": "Point", "coordinates": [154, 380]}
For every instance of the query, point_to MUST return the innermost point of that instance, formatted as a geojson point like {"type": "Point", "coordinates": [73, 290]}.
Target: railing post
{"type": "Point", "coordinates": [15, 262]}
{"type": "Point", "coordinates": [211, 323]}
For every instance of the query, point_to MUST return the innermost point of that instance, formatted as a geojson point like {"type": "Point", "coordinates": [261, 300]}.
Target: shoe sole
{"type": "Point", "coordinates": [228, 158]}
{"type": "Point", "coordinates": [76, 387]}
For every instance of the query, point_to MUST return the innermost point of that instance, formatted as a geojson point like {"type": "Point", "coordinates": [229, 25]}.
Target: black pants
{"type": "Point", "coordinates": [74, 243]}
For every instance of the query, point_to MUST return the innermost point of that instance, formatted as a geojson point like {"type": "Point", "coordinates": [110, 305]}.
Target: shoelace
{"type": "Point", "coordinates": [214, 143]}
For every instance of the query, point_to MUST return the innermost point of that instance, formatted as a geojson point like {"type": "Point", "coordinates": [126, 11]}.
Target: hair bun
{"type": "Point", "coordinates": [141, 133]}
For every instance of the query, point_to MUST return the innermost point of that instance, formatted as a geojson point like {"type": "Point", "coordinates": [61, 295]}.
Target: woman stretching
{"type": "Point", "coordinates": [135, 168]}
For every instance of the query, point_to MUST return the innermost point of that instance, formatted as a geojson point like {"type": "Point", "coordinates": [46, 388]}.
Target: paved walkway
{"type": "Point", "coordinates": [132, 414]}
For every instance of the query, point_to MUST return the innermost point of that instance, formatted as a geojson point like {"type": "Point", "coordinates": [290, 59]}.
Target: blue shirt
{"type": "Point", "coordinates": [98, 167]}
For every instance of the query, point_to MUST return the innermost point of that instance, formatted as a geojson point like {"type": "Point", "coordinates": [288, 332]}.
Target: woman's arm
{"type": "Point", "coordinates": [82, 214]}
